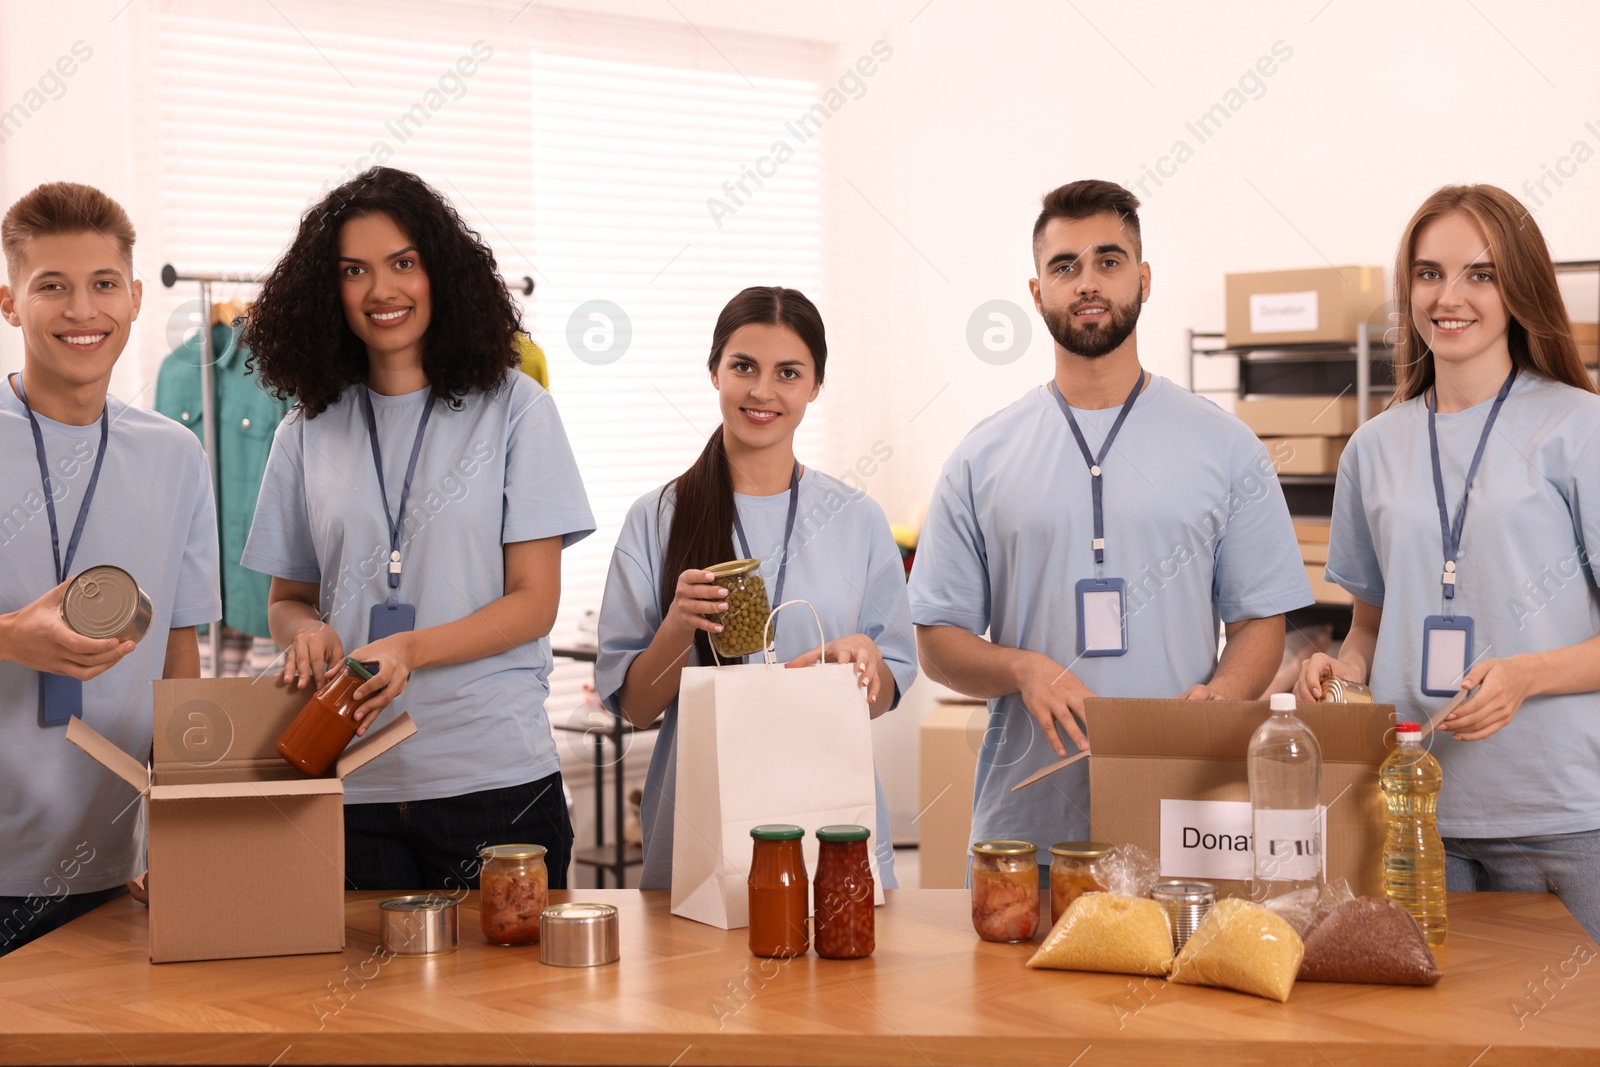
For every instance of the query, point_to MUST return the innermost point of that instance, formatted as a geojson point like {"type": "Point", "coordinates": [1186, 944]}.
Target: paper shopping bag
{"type": "Point", "coordinates": [764, 744]}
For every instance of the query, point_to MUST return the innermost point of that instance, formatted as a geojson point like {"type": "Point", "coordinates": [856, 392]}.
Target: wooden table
{"type": "Point", "coordinates": [689, 994]}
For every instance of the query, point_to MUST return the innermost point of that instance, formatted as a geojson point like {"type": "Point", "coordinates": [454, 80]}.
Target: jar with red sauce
{"type": "Point", "coordinates": [327, 723]}
{"type": "Point", "coordinates": [778, 890]}
{"type": "Point", "coordinates": [844, 920]}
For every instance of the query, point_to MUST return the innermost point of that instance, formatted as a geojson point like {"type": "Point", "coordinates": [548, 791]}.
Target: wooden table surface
{"type": "Point", "coordinates": [1521, 985]}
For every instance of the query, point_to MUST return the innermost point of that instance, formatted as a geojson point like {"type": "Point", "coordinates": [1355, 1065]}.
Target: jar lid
{"type": "Point", "coordinates": [1005, 848]}
{"type": "Point", "coordinates": [777, 831]}
{"type": "Point", "coordinates": [843, 833]}
{"type": "Point", "coordinates": [357, 668]}
{"type": "Point", "coordinates": [1082, 850]}
{"type": "Point", "coordinates": [734, 568]}
{"type": "Point", "coordinates": [1181, 891]}
{"type": "Point", "coordinates": [512, 852]}
{"type": "Point", "coordinates": [419, 902]}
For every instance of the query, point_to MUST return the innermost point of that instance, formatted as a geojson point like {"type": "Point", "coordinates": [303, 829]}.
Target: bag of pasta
{"type": "Point", "coordinates": [1242, 946]}
{"type": "Point", "coordinates": [1108, 932]}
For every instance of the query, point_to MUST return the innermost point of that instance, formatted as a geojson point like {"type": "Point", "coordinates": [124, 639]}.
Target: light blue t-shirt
{"type": "Point", "coordinates": [495, 472]}
{"type": "Point", "coordinates": [153, 515]}
{"type": "Point", "coordinates": [1195, 523]}
{"type": "Point", "coordinates": [1525, 575]}
{"type": "Point", "coordinates": [842, 559]}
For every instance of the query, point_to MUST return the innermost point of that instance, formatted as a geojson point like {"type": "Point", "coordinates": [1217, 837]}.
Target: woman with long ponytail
{"type": "Point", "coordinates": [768, 359]}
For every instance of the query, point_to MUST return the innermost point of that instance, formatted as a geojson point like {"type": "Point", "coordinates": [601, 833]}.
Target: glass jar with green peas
{"type": "Point", "coordinates": [745, 621]}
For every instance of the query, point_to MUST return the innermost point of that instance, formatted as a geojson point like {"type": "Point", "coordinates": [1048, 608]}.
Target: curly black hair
{"type": "Point", "coordinates": [302, 348]}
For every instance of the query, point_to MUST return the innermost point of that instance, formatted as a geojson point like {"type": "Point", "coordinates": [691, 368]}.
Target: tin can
{"type": "Point", "coordinates": [422, 925]}
{"type": "Point", "coordinates": [1340, 691]}
{"type": "Point", "coordinates": [578, 935]}
{"type": "Point", "coordinates": [105, 602]}
{"type": "Point", "coordinates": [1186, 903]}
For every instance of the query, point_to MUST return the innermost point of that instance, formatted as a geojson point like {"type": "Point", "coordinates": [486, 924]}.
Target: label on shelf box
{"type": "Point", "coordinates": [1283, 312]}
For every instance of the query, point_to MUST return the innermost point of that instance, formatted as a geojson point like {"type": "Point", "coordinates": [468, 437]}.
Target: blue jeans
{"type": "Point", "coordinates": [433, 844]}
{"type": "Point", "coordinates": [1567, 865]}
{"type": "Point", "coordinates": [23, 919]}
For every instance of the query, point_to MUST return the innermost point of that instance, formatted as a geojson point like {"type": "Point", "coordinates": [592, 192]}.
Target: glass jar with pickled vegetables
{"type": "Point", "coordinates": [514, 889]}
{"type": "Point", "coordinates": [844, 920]}
{"type": "Point", "coordinates": [745, 622]}
{"type": "Point", "coordinates": [778, 889]}
{"type": "Point", "coordinates": [1005, 890]}
{"type": "Point", "coordinates": [1074, 871]}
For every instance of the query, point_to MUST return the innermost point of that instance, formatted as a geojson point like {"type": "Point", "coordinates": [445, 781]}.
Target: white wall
{"type": "Point", "coordinates": [936, 170]}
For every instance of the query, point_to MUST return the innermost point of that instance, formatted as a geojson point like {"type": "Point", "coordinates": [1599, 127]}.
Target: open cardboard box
{"type": "Point", "coordinates": [246, 852]}
{"type": "Point", "coordinates": [1169, 776]}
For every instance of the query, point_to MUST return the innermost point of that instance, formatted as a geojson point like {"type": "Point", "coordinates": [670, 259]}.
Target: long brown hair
{"type": "Point", "coordinates": [1539, 333]}
{"type": "Point", "coordinates": [703, 506]}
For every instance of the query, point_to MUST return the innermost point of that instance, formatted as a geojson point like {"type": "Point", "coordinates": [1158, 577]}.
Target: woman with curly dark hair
{"type": "Point", "coordinates": [413, 515]}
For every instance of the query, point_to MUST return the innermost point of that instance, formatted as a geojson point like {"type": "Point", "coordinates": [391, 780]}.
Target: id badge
{"type": "Point", "coordinates": [1446, 654]}
{"type": "Point", "coordinates": [60, 699]}
{"type": "Point", "coordinates": [1102, 617]}
{"type": "Point", "coordinates": [390, 619]}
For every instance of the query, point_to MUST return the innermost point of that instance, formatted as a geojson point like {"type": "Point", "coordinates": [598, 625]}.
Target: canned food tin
{"type": "Point", "coordinates": [105, 602]}
{"type": "Point", "coordinates": [578, 935]}
{"type": "Point", "coordinates": [1340, 691]}
{"type": "Point", "coordinates": [422, 925]}
{"type": "Point", "coordinates": [1186, 903]}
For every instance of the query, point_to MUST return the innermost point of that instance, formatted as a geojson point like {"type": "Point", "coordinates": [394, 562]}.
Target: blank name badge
{"type": "Point", "coordinates": [1102, 617]}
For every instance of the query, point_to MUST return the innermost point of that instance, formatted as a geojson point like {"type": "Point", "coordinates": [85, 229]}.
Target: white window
{"type": "Point", "coordinates": [613, 160]}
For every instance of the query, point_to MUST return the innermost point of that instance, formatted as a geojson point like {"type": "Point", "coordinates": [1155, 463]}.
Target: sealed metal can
{"type": "Point", "coordinates": [578, 935]}
{"type": "Point", "coordinates": [1186, 903]}
{"type": "Point", "coordinates": [1340, 691]}
{"type": "Point", "coordinates": [419, 925]}
{"type": "Point", "coordinates": [105, 602]}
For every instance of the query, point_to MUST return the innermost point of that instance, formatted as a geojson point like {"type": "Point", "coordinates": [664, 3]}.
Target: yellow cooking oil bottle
{"type": "Point", "coordinates": [1413, 855]}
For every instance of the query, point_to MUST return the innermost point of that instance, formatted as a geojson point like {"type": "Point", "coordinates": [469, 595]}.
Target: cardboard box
{"type": "Point", "coordinates": [1314, 552]}
{"type": "Point", "coordinates": [1323, 305]}
{"type": "Point", "coordinates": [1305, 455]}
{"type": "Point", "coordinates": [1304, 416]}
{"type": "Point", "coordinates": [1151, 757]}
{"type": "Point", "coordinates": [950, 738]}
{"type": "Point", "coordinates": [1588, 337]}
{"type": "Point", "coordinates": [246, 852]}
{"type": "Point", "coordinates": [1324, 591]}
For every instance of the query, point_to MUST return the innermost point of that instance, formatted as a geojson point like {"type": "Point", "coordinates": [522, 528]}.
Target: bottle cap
{"type": "Point", "coordinates": [1282, 702]}
{"type": "Point", "coordinates": [1408, 729]}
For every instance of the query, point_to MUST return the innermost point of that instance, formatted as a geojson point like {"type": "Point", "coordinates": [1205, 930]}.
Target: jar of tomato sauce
{"type": "Point", "coordinates": [327, 723]}
{"type": "Point", "coordinates": [514, 888]}
{"type": "Point", "coordinates": [1005, 890]}
{"type": "Point", "coordinates": [778, 887]}
{"type": "Point", "coordinates": [845, 917]}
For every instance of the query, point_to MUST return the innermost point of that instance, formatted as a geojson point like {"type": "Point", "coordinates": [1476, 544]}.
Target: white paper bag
{"type": "Point", "coordinates": [762, 743]}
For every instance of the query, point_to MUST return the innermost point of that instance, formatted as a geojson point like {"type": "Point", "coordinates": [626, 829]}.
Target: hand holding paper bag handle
{"type": "Point", "coordinates": [871, 669]}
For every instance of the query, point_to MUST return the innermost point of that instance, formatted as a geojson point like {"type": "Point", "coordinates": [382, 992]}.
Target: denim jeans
{"type": "Point", "coordinates": [23, 919]}
{"type": "Point", "coordinates": [1567, 865]}
{"type": "Point", "coordinates": [433, 844]}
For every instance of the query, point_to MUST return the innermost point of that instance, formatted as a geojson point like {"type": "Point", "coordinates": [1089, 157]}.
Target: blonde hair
{"type": "Point", "coordinates": [1539, 334]}
{"type": "Point", "coordinates": [63, 208]}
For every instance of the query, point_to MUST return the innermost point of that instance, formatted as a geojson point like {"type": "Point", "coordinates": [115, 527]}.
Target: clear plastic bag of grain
{"type": "Point", "coordinates": [1108, 932]}
{"type": "Point", "coordinates": [1241, 946]}
{"type": "Point", "coordinates": [1367, 940]}
{"type": "Point", "coordinates": [1130, 871]}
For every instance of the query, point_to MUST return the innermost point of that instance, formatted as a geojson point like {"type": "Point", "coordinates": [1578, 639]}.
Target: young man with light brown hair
{"type": "Point", "coordinates": [85, 480]}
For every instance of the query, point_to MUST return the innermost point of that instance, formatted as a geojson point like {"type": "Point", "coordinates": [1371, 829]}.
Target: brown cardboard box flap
{"type": "Point", "coordinates": [1221, 729]}
{"type": "Point", "coordinates": [381, 741]}
{"type": "Point", "coordinates": [108, 755]}
{"type": "Point", "coordinates": [209, 790]}
{"type": "Point", "coordinates": [222, 723]}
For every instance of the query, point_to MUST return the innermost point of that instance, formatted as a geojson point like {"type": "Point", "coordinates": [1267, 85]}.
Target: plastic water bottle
{"type": "Point", "coordinates": [1285, 767]}
{"type": "Point", "coordinates": [1413, 855]}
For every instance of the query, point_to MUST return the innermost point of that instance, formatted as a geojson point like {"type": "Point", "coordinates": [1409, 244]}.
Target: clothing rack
{"type": "Point", "coordinates": [170, 277]}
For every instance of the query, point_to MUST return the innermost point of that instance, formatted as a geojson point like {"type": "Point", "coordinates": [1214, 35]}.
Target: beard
{"type": "Point", "coordinates": [1097, 337]}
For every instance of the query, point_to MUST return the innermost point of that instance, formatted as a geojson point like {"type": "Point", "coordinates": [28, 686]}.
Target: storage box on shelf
{"type": "Point", "coordinates": [1321, 305]}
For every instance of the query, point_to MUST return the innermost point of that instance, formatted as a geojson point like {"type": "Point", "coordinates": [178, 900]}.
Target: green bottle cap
{"type": "Point", "coordinates": [357, 668]}
{"type": "Point", "coordinates": [777, 832]}
{"type": "Point", "coordinates": [843, 833]}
